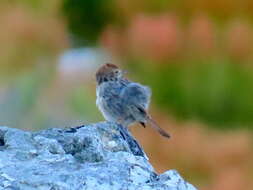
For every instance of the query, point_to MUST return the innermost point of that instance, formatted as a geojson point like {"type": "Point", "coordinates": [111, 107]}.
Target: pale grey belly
{"type": "Point", "coordinates": [114, 111]}
{"type": "Point", "coordinates": [105, 110]}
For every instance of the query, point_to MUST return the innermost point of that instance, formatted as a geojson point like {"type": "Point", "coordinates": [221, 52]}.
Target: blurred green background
{"type": "Point", "coordinates": [196, 55]}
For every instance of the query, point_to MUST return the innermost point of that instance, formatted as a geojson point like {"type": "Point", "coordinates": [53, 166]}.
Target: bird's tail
{"type": "Point", "coordinates": [155, 126]}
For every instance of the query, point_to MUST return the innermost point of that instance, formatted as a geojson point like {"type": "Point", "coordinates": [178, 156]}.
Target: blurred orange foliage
{"type": "Point", "coordinates": [154, 37]}
{"type": "Point", "coordinates": [210, 159]}
{"type": "Point", "coordinates": [26, 36]}
{"type": "Point", "coordinates": [202, 35]}
{"type": "Point", "coordinates": [161, 37]}
{"type": "Point", "coordinates": [239, 39]}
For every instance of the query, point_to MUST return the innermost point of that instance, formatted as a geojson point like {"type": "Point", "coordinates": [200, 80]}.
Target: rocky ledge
{"type": "Point", "coordinates": [102, 156]}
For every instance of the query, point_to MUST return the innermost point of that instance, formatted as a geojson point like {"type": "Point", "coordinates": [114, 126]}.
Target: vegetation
{"type": "Point", "coordinates": [218, 93]}
{"type": "Point", "coordinates": [196, 56]}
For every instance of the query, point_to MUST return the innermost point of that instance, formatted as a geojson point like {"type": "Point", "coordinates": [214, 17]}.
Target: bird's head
{"type": "Point", "coordinates": [108, 72]}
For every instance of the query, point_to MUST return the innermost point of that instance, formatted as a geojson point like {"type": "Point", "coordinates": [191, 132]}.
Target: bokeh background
{"type": "Point", "coordinates": [196, 55]}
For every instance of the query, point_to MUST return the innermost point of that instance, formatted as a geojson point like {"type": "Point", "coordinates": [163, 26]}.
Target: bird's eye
{"type": "Point", "coordinates": [116, 71]}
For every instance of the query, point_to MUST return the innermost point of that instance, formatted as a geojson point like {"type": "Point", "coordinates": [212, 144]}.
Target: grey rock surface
{"type": "Point", "coordinates": [102, 156]}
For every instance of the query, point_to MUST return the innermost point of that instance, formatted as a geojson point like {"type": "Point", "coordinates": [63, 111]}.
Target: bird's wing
{"type": "Point", "coordinates": [136, 95]}
{"type": "Point", "coordinates": [137, 98]}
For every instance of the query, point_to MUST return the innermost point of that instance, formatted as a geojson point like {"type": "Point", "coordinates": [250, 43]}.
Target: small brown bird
{"type": "Point", "coordinates": [123, 101]}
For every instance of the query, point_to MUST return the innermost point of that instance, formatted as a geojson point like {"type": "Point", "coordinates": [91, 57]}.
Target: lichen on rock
{"type": "Point", "coordinates": [92, 157]}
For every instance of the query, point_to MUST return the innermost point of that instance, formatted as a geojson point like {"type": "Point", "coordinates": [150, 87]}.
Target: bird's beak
{"type": "Point", "coordinates": [124, 72]}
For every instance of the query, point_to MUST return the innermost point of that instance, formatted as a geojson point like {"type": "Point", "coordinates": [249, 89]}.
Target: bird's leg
{"type": "Point", "coordinates": [143, 124]}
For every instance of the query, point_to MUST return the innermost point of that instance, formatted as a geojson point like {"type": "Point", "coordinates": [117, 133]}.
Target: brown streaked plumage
{"type": "Point", "coordinates": [107, 72]}
{"type": "Point", "coordinates": [123, 101]}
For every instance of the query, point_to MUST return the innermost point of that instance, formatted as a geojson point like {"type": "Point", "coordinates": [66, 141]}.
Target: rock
{"type": "Point", "coordinates": [102, 156]}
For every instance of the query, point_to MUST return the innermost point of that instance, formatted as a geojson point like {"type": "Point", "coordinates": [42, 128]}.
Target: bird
{"type": "Point", "coordinates": [123, 101]}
